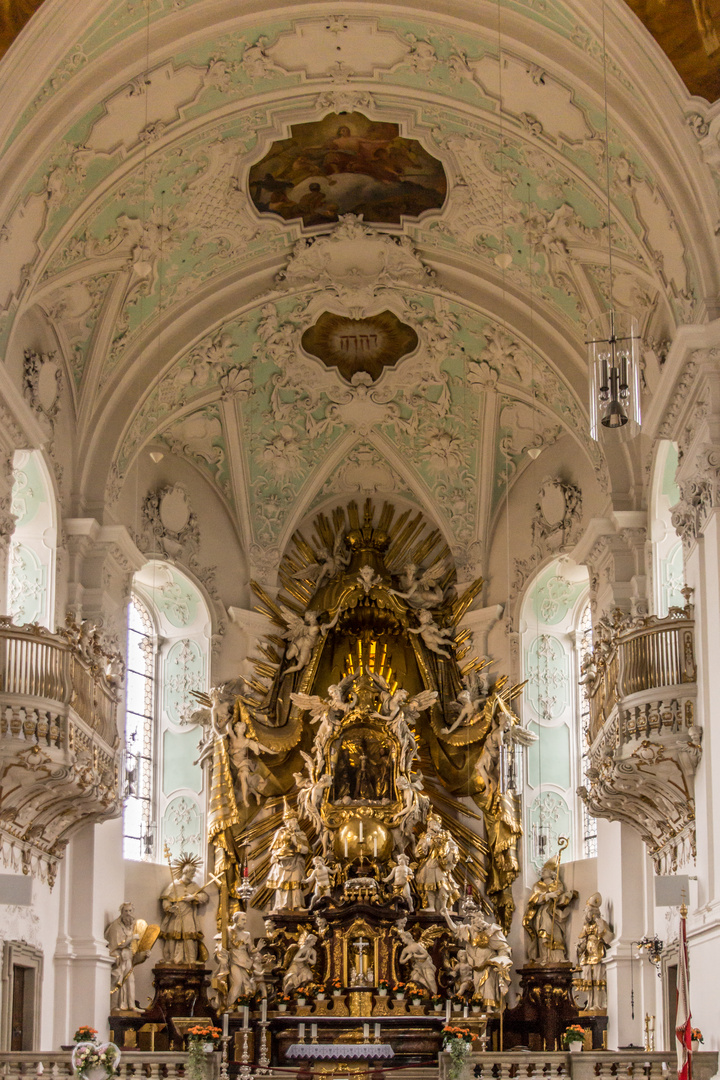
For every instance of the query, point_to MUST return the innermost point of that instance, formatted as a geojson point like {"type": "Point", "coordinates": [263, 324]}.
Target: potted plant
{"type": "Point", "coordinates": [437, 1003]}
{"type": "Point", "coordinates": [94, 1062]}
{"type": "Point", "coordinates": [321, 992]}
{"type": "Point", "coordinates": [476, 1004]}
{"type": "Point", "coordinates": [85, 1033]}
{"type": "Point", "coordinates": [573, 1038]}
{"type": "Point", "coordinates": [283, 1001]}
{"type": "Point", "coordinates": [417, 993]}
{"type": "Point", "coordinates": [458, 1042]}
{"type": "Point", "coordinates": [383, 987]}
{"type": "Point", "coordinates": [457, 1004]}
{"type": "Point", "coordinates": [696, 1037]}
{"type": "Point", "coordinates": [201, 1039]}
{"type": "Point", "coordinates": [336, 987]}
{"type": "Point", "coordinates": [399, 990]}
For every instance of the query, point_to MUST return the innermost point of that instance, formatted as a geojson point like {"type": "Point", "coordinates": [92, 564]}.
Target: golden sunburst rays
{"type": "Point", "coordinates": [370, 657]}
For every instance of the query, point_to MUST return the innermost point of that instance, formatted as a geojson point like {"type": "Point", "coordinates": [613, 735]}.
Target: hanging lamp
{"type": "Point", "coordinates": [613, 339]}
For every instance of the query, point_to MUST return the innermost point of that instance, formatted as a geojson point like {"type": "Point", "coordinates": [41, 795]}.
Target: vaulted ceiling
{"type": "Point", "coordinates": [319, 255]}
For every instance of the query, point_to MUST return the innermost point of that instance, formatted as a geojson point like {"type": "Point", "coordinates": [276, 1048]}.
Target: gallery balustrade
{"type": "Point", "coordinates": [644, 742]}
{"type": "Point", "coordinates": [138, 1065]}
{"type": "Point", "coordinates": [58, 735]}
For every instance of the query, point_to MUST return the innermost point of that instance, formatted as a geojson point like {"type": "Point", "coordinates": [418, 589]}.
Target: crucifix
{"type": "Point", "coordinates": [360, 946]}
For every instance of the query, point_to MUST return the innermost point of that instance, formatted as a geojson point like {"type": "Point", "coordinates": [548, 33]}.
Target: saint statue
{"type": "Point", "coordinates": [300, 969]}
{"type": "Point", "coordinates": [244, 960]}
{"type": "Point", "coordinates": [422, 969]}
{"type": "Point", "coordinates": [545, 916]}
{"type": "Point", "coordinates": [438, 855]}
{"type": "Point", "coordinates": [124, 936]}
{"type": "Point", "coordinates": [488, 955]}
{"type": "Point", "coordinates": [595, 936]}
{"type": "Point", "coordinates": [288, 849]}
{"type": "Point", "coordinates": [181, 937]}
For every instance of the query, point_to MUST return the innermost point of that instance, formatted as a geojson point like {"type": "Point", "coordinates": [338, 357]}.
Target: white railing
{"type": "Point", "coordinates": [588, 1065]}
{"type": "Point", "coordinates": [134, 1065]}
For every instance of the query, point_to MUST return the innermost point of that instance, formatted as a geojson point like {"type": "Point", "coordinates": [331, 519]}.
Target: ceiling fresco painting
{"type": "Point", "coordinates": [347, 164]}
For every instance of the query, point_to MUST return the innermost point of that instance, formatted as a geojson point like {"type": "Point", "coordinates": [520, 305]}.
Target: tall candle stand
{"type": "Point", "coordinates": [263, 1068]}
{"type": "Point", "coordinates": [245, 1069]}
{"type": "Point", "coordinates": [224, 1057]}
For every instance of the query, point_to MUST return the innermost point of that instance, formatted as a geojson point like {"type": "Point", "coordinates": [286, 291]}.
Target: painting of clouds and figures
{"type": "Point", "coordinates": [347, 165]}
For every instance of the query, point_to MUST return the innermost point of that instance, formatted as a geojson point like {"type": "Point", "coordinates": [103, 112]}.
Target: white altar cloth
{"type": "Point", "coordinates": [337, 1051]}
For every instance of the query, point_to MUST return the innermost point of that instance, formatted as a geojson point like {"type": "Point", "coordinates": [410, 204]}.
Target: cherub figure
{"type": "Point", "coordinates": [420, 587]}
{"type": "Point", "coordinates": [401, 875]}
{"type": "Point", "coordinates": [437, 639]}
{"type": "Point", "coordinates": [470, 699]}
{"type": "Point", "coordinates": [302, 635]}
{"type": "Point", "coordinates": [328, 712]}
{"type": "Point", "coordinates": [367, 578]}
{"type": "Point", "coordinates": [461, 973]}
{"type": "Point", "coordinates": [320, 877]}
{"type": "Point", "coordinates": [328, 563]}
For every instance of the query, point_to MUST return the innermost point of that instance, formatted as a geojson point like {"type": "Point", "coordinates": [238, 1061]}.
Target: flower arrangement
{"type": "Point", "coordinates": [198, 1038]}
{"type": "Point", "coordinates": [696, 1035]}
{"type": "Point", "coordinates": [458, 1042]}
{"type": "Point", "coordinates": [436, 1000]}
{"type": "Point", "coordinates": [85, 1033]}
{"type": "Point", "coordinates": [204, 1033]}
{"type": "Point", "coordinates": [572, 1034]}
{"type": "Point", "coordinates": [321, 990]}
{"type": "Point", "coordinates": [88, 1056]}
{"type": "Point", "coordinates": [399, 989]}
{"type": "Point", "coordinates": [336, 987]}
{"type": "Point", "coordinates": [246, 999]}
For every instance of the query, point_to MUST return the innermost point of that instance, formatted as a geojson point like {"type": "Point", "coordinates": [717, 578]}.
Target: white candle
{"type": "Point", "coordinates": [366, 1032]}
{"type": "Point", "coordinates": [375, 847]}
{"type": "Point", "coordinates": [362, 834]}
{"type": "Point", "coordinates": [264, 1010]}
{"type": "Point", "coordinates": [246, 1015]}
{"type": "Point", "coordinates": [226, 1020]}
{"type": "Point", "coordinates": [313, 1031]}
{"type": "Point", "coordinates": [301, 1032]}
{"type": "Point", "coordinates": [377, 1033]}
{"type": "Point", "coordinates": [448, 1009]}
{"type": "Point", "coordinates": [346, 847]}
{"type": "Point", "coordinates": [465, 1011]}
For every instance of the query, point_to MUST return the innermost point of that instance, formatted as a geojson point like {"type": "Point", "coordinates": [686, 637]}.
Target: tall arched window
{"type": "Point", "coordinates": [169, 633]}
{"type": "Point", "coordinates": [31, 570]}
{"type": "Point", "coordinates": [667, 552]}
{"type": "Point", "coordinates": [555, 626]}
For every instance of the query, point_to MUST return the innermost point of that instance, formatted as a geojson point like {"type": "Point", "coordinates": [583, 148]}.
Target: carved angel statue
{"type": "Point", "coordinates": [328, 712]}
{"type": "Point", "coordinates": [470, 700]}
{"type": "Point", "coordinates": [300, 969]}
{"type": "Point", "coordinates": [320, 877]}
{"type": "Point", "coordinates": [310, 798]}
{"type": "Point", "coordinates": [437, 639]}
{"type": "Point", "coordinates": [214, 724]}
{"type": "Point", "coordinates": [422, 969]}
{"type": "Point", "coordinates": [461, 974]}
{"type": "Point", "coordinates": [400, 710]}
{"type": "Point", "coordinates": [327, 563]}
{"type": "Point", "coordinates": [240, 747]}
{"type": "Point", "coordinates": [415, 807]}
{"type": "Point", "coordinates": [245, 963]}
{"type": "Point", "coordinates": [302, 635]}
{"type": "Point", "coordinates": [400, 876]}
{"type": "Point", "coordinates": [505, 728]}
{"type": "Point", "coordinates": [420, 587]}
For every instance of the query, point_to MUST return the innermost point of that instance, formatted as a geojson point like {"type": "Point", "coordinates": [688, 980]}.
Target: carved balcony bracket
{"type": "Point", "coordinates": [644, 743]}
{"type": "Point", "coordinates": [59, 748]}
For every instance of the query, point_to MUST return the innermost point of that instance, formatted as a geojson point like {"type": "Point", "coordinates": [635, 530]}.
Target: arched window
{"type": "Point", "coordinates": [555, 628]}
{"type": "Point", "coordinates": [169, 633]}
{"type": "Point", "coordinates": [31, 569]}
{"type": "Point", "coordinates": [667, 552]}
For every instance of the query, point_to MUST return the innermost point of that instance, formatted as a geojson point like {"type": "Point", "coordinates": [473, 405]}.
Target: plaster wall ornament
{"type": "Point", "coordinates": [171, 525]}
{"type": "Point", "coordinates": [699, 497]}
{"type": "Point", "coordinates": [317, 46]}
{"type": "Point", "coordinates": [356, 265]}
{"type": "Point", "coordinates": [43, 383]}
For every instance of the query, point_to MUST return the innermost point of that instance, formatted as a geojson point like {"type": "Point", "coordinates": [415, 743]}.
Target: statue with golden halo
{"type": "Point", "coordinates": [181, 900]}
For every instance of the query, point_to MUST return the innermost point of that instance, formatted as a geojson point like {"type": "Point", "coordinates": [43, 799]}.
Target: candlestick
{"type": "Point", "coordinates": [246, 1015]}
{"type": "Point", "coordinates": [226, 1019]}
{"type": "Point", "coordinates": [263, 1010]}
